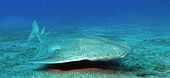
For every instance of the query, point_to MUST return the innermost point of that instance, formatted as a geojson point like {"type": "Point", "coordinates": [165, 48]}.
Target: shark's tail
{"type": "Point", "coordinates": [36, 33]}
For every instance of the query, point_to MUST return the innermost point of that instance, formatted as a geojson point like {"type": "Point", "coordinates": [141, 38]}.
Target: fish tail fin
{"type": "Point", "coordinates": [43, 31]}
{"type": "Point", "coordinates": [35, 33]}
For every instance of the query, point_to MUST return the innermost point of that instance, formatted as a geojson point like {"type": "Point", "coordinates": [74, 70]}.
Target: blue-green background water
{"type": "Point", "coordinates": [141, 24]}
{"type": "Point", "coordinates": [95, 11]}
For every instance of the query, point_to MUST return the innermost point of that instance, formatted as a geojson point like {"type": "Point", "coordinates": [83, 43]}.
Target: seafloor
{"type": "Point", "coordinates": [148, 58]}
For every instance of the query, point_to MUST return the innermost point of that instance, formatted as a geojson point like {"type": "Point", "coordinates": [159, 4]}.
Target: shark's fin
{"type": "Point", "coordinates": [42, 31]}
{"type": "Point", "coordinates": [35, 33]}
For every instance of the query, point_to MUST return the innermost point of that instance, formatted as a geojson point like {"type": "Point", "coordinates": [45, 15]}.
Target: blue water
{"type": "Point", "coordinates": [142, 25]}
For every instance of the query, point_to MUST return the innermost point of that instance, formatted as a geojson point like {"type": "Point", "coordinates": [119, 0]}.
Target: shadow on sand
{"type": "Point", "coordinates": [114, 65]}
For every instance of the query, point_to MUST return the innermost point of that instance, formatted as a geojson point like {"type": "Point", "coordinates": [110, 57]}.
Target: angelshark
{"type": "Point", "coordinates": [75, 48]}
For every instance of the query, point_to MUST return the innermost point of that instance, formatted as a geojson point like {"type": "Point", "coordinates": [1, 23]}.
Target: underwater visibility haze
{"type": "Point", "coordinates": [84, 39]}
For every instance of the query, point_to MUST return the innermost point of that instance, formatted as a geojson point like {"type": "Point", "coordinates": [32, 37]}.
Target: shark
{"type": "Point", "coordinates": [74, 48]}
